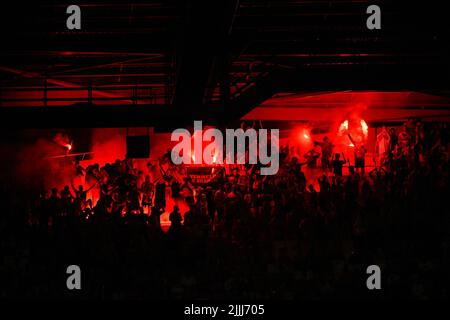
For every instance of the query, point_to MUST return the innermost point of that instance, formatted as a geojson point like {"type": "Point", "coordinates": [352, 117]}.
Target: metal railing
{"type": "Point", "coordinates": [45, 95]}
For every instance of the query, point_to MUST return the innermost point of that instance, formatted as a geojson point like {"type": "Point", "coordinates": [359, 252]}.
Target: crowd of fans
{"type": "Point", "coordinates": [243, 235]}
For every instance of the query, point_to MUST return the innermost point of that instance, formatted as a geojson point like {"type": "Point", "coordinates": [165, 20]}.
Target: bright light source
{"type": "Point", "coordinates": [303, 135]}
{"type": "Point", "coordinates": [343, 128]}
{"type": "Point", "coordinates": [365, 128]}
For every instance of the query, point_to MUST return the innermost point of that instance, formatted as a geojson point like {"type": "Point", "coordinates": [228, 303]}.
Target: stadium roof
{"type": "Point", "coordinates": [143, 62]}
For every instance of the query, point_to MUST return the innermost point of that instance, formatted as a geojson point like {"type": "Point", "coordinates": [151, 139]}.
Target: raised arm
{"type": "Point", "coordinates": [73, 187]}
{"type": "Point", "coordinates": [91, 187]}
{"type": "Point", "coordinates": [351, 139]}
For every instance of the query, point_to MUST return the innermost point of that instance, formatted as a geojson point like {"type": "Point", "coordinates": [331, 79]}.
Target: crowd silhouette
{"type": "Point", "coordinates": [243, 235]}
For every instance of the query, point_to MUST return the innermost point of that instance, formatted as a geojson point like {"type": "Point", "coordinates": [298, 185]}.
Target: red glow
{"type": "Point", "coordinates": [355, 127]}
{"type": "Point", "coordinates": [365, 128]}
{"type": "Point", "coordinates": [303, 134]}
{"type": "Point", "coordinates": [214, 157]}
{"type": "Point", "coordinates": [371, 105]}
{"type": "Point", "coordinates": [343, 128]}
{"type": "Point", "coordinates": [214, 152]}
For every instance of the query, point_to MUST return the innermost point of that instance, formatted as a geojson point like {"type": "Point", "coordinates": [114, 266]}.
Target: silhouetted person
{"type": "Point", "coordinates": [312, 156]}
{"type": "Point", "coordinates": [80, 197]}
{"type": "Point", "coordinates": [175, 188]}
{"type": "Point", "coordinates": [66, 200]}
{"type": "Point", "coordinates": [175, 217]}
{"type": "Point", "coordinates": [147, 189]}
{"type": "Point", "coordinates": [360, 157]}
{"type": "Point", "coordinates": [155, 216]}
{"type": "Point", "coordinates": [324, 184]}
{"type": "Point", "coordinates": [189, 218]}
{"type": "Point", "coordinates": [327, 152]}
{"type": "Point", "coordinates": [312, 196]}
{"type": "Point", "coordinates": [160, 195]}
{"type": "Point", "coordinates": [53, 208]}
{"type": "Point", "coordinates": [393, 139]}
{"type": "Point", "coordinates": [220, 198]}
{"type": "Point", "coordinates": [338, 164]}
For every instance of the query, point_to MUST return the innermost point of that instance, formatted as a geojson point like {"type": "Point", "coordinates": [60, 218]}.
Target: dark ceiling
{"type": "Point", "coordinates": [149, 62]}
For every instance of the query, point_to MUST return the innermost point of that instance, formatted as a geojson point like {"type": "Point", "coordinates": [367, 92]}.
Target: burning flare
{"type": "Point", "coordinates": [365, 128]}
{"type": "Point", "coordinates": [343, 128]}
